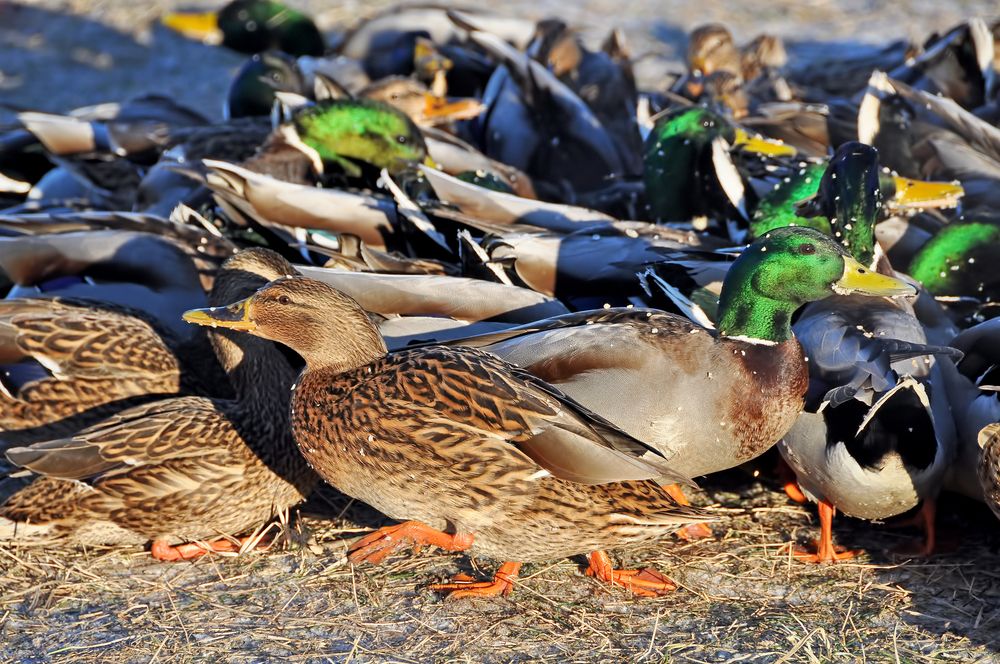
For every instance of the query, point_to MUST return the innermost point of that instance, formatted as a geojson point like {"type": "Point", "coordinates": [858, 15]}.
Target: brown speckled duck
{"type": "Point", "coordinates": [470, 452]}
{"type": "Point", "coordinates": [177, 470]}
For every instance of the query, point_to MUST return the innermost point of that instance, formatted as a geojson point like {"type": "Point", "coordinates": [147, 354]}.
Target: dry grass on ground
{"type": "Point", "coordinates": [741, 599]}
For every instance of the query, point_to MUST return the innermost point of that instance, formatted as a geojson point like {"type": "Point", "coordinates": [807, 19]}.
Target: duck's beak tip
{"type": "Point", "coordinates": [861, 280]}
{"type": "Point", "coordinates": [234, 317]}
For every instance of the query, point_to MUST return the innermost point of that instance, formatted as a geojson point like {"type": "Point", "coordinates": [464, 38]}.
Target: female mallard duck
{"type": "Point", "coordinates": [989, 466]}
{"type": "Point", "coordinates": [177, 470]}
{"type": "Point", "coordinates": [524, 473]}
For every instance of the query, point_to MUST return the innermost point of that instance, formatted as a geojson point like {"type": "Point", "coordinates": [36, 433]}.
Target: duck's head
{"type": "Point", "coordinates": [711, 48]}
{"type": "Point", "coordinates": [323, 325]}
{"type": "Point", "coordinates": [251, 92]}
{"type": "Point", "coordinates": [685, 148]}
{"type": "Point", "coordinates": [252, 26]}
{"type": "Point", "coordinates": [369, 131]}
{"type": "Point", "coordinates": [786, 268]}
{"type": "Point", "coordinates": [850, 197]}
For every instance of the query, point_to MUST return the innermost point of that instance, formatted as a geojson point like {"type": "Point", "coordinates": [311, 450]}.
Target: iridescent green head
{"type": "Point", "coordinates": [360, 130]}
{"type": "Point", "coordinates": [252, 91]}
{"type": "Point", "coordinates": [253, 26]}
{"type": "Point", "coordinates": [677, 157]}
{"type": "Point", "coordinates": [849, 196]}
{"type": "Point", "coordinates": [781, 206]}
{"type": "Point", "coordinates": [961, 260]}
{"type": "Point", "coordinates": [783, 270]}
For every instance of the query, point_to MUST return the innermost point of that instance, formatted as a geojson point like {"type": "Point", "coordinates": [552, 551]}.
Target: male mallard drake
{"type": "Point", "coordinates": [457, 440]}
{"type": "Point", "coordinates": [689, 170]}
{"type": "Point", "coordinates": [177, 470]}
{"type": "Point", "coordinates": [692, 369]}
{"type": "Point", "coordinates": [252, 26]}
{"type": "Point", "coordinates": [869, 460]}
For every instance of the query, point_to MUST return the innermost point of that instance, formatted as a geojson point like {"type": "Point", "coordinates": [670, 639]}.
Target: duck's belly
{"type": "Point", "coordinates": [830, 473]}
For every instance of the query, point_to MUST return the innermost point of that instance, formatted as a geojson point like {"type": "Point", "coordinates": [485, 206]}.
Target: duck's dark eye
{"type": "Point", "coordinates": [807, 249]}
{"type": "Point", "coordinates": [284, 299]}
{"type": "Point", "coordinates": [401, 139]}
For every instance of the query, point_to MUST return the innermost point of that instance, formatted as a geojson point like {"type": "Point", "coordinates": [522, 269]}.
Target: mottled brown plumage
{"type": "Point", "coordinates": [989, 466]}
{"type": "Point", "coordinates": [456, 438]}
{"type": "Point", "coordinates": [183, 468]}
{"type": "Point", "coordinates": [90, 360]}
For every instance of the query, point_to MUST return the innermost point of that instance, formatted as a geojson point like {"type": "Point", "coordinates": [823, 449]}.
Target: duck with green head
{"type": "Point", "coordinates": [252, 26]}
{"type": "Point", "coordinates": [688, 167]}
{"type": "Point", "coordinates": [477, 454]}
{"type": "Point", "coordinates": [869, 444]}
{"type": "Point", "coordinates": [343, 132]}
{"type": "Point", "coordinates": [787, 204]}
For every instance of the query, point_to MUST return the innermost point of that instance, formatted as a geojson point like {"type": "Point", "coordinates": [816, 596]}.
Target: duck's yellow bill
{"type": "Point", "coordinates": [921, 194]}
{"type": "Point", "coordinates": [203, 26]}
{"type": "Point", "coordinates": [761, 145]}
{"type": "Point", "coordinates": [234, 317]}
{"type": "Point", "coordinates": [459, 109]}
{"type": "Point", "coordinates": [859, 279]}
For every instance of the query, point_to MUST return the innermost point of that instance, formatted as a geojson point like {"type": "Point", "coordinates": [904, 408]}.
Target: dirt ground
{"type": "Point", "coordinates": [741, 598]}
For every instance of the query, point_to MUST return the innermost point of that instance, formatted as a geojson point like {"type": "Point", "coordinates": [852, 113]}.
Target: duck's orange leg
{"type": "Point", "coordinates": [462, 586]}
{"type": "Point", "coordinates": [692, 531]}
{"type": "Point", "coordinates": [377, 546]}
{"type": "Point", "coordinates": [826, 551]}
{"type": "Point", "coordinates": [646, 582]}
{"type": "Point", "coordinates": [189, 551]}
{"type": "Point", "coordinates": [789, 482]}
{"type": "Point", "coordinates": [925, 520]}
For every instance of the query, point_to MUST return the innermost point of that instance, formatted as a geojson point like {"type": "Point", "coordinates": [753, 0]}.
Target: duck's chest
{"type": "Point", "coordinates": [356, 449]}
{"type": "Point", "coordinates": [765, 396]}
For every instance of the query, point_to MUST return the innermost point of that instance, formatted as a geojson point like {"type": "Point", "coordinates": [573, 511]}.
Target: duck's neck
{"type": "Point", "coordinates": [748, 315]}
{"type": "Point", "coordinates": [356, 342]}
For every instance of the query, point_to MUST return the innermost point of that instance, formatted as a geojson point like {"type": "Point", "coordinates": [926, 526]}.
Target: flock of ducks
{"type": "Point", "coordinates": [470, 272]}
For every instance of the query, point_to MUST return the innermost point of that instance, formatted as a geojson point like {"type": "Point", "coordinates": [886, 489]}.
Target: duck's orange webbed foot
{"type": "Point", "coordinates": [463, 586]}
{"type": "Point", "coordinates": [160, 550]}
{"type": "Point", "coordinates": [821, 554]}
{"type": "Point", "coordinates": [826, 551]}
{"type": "Point", "coordinates": [646, 582]}
{"type": "Point", "coordinates": [692, 531]}
{"type": "Point", "coordinates": [377, 546]}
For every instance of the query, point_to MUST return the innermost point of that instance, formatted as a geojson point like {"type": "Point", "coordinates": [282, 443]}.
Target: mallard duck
{"type": "Point", "coordinates": [252, 26]}
{"type": "Point", "coordinates": [371, 444]}
{"type": "Point", "coordinates": [689, 171]}
{"type": "Point", "coordinates": [989, 466]}
{"type": "Point", "coordinates": [868, 444]}
{"type": "Point", "coordinates": [343, 132]}
{"type": "Point", "coordinates": [521, 455]}
{"type": "Point", "coordinates": [580, 354]}
{"type": "Point", "coordinates": [68, 363]}
{"type": "Point", "coordinates": [786, 203]}
{"type": "Point", "coordinates": [182, 470]}
{"type": "Point", "coordinates": [972, 392]}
